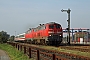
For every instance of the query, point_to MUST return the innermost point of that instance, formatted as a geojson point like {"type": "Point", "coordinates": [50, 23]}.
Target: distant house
{"type": "Point", "coordinates": [84, 35]}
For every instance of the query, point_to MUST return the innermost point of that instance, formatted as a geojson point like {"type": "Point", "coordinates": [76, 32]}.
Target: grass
{"type": "Point", "coordinates": [86, 54]}
{"type": "Point", "coordinates": [13, 53]}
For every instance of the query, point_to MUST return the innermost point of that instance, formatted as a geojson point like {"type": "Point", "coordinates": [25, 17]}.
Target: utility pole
{"type": "Point", "coordinates": [68, 11]}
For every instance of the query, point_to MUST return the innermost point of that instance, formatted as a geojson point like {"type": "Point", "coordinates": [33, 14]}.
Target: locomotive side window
{"type": "Point", "coordinates": [51, 26]}
{"type": "Point", "coordinates": [58, 26]}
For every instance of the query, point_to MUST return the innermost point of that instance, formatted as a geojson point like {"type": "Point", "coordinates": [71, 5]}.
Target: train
{"type": "Point", "coordinates": [47, 34]}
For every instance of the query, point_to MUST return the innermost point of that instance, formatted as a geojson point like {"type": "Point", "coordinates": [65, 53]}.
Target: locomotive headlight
{"type": "Point", "coordinates": [60, 35]}
{"type": "Point", "coordinates": [49, 35]}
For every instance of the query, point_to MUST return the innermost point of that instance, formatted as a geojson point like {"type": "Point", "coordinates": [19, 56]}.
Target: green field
{"type": "Point", "coordinates": [13, 53]}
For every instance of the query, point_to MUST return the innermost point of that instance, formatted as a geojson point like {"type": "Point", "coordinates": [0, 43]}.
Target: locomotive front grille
{"type": "Point", "coordinates": [54, 37]}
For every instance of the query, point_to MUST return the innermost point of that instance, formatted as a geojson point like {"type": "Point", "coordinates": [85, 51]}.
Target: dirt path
{"type": "Point", "coordinates": [3, 55]}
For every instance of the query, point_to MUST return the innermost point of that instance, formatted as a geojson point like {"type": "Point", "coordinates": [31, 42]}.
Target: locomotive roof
{"type": "Point", "coordinates": [52, 23]}
{"type": "Point", "coordinates": [40, 25]}
{"type": "Point", "coordinates": [47, 23]}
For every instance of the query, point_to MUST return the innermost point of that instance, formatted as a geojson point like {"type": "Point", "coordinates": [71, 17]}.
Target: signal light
{"type": "Point", "coordinates": [67, 28]}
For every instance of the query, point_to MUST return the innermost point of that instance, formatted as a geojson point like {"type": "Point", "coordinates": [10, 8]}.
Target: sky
{"type": "Point", "coordinates": [17, 16]}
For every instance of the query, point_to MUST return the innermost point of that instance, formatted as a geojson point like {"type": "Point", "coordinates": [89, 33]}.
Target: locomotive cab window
{"type": "Point", "coordinates": [58, 26]}
{"type": "Point", "coordinates": [51, 26]}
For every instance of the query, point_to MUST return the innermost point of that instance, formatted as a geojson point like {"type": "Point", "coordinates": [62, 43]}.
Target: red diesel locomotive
{"type": "Point", "coordinates": [49, 33]}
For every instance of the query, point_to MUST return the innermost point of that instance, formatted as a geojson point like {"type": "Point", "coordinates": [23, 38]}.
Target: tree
{"type": "Point", "coordinates": [12, 38]}
{"type": "Point", "coordinates": [4, 37]}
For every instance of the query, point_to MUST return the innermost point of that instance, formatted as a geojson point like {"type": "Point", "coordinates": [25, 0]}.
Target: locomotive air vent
{"type": "Point", "coordinates": [40, 24]}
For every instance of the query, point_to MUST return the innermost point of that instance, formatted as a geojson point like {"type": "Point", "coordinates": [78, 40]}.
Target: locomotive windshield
{"type": "Point", "coordinates": [51, 26]}
{"type": "Point", "coordinates": [58, 26]}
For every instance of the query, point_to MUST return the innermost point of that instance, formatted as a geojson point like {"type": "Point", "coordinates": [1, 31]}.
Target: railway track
{"type": "Point", "coordinates": [78, 48]}
{"type": "Point", "coordinates": [46, 54]}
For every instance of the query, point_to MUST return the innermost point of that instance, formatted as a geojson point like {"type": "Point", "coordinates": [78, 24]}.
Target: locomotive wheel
{"type": "Point", "coordinates": [42, 41]}
{"type": "Point", "coordinates": [47, 43]}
